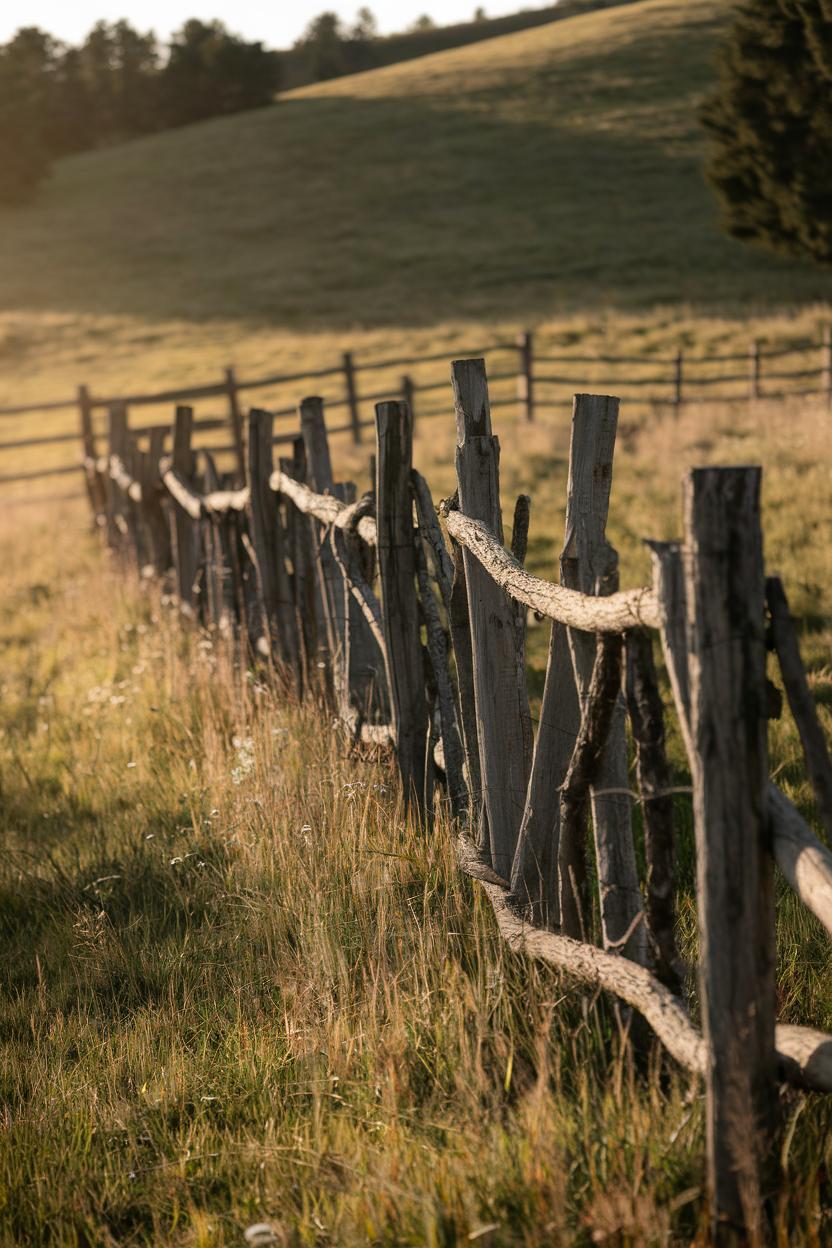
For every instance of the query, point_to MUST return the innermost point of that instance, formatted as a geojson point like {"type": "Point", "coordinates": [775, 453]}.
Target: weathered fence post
{"type": "Point", "coordinates": [117, 504]}
{"type": "Point", "coordinates": [332, 646]}
{"type": "Point", "coordinates": [154, 516]}
{"type": "Point", "coordinates": [399, 603]}
{"type": "Point", "coordinates": [589, 564]}
{"type": "Point", "coordinates": [727, 672]}
{"type": "Point", "coordinates": [267, 538]}
{"type": "Point", "coordinates": [235, 420]}
{"type": "Point", "coordinates": [352, 396]}
{"type": "Point", "coordinates": [826, 368]}
{"type": "Point", "coordinates": [754, 370]}
{"type": "Point", "coordinates": [96, 496]}
{"type": "Point", "coordinates": [525, 375]}
{"type": "Point", "coordinates": [678, 367]}
{"type": "Point", "coordinates": [185, 530]}
{"type": "Point", "coordinates": [504, 729]}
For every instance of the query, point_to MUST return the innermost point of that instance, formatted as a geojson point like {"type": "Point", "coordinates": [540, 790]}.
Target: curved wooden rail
{"type": "Point", "coordinates": [324, 507]}
{"type": "Point", "coordinates": [630, 608]}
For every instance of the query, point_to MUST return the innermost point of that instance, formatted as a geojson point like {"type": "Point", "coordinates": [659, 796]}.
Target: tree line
{"type": "Point", "coordinates": [119, 83]}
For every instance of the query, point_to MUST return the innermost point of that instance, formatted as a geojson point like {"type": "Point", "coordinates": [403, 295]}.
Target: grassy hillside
{"type": "Point", "coordinates": [547, 171]}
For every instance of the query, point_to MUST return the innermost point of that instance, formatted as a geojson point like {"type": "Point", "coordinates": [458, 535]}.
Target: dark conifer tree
{"type": "Point", "coordinates": [770, 125]}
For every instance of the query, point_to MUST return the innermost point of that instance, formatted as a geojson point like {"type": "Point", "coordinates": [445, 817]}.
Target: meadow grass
{"type": "Point", "coordinates": [239, 984]}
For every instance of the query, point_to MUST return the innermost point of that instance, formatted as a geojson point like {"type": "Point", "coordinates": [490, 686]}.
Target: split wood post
{"type": "Point", "coordinates": [525, 376]}
{"type": "Point", "coordinates": [88, 444]}
{"type": "Point", "coordinates": [589, 564]}
{"type": "Point", "coordinates": [408, 397]}
{"type": "Point", "coordinates": [826, 368]}
{"type": "Point", "coordinates": [644, 704]}
{"type": "Point", "coordinates": [678, 367]}
{"type": "Point", "coordinates": [156, 521]}
{"type": "Point", "coordinates": [332, 641]}
{"type": "Point", "coordinates": [185, 532]}
{"type": "Point", "coordinates": [504, 730]}
{"type": "Point", "coordinates": [735, 901]}
{"type": "Point", "coordinates": [460, 626]}
{"type": "Point", "coordinates": [399, 603]}
{"type": "Point", "coordinates": [131, 458]}
{"type": "Point", "coordinates": [235, 420]}
{"type": "Point", "coordinates": [754, 370]}
{"type": "Point", "coordinates": [267, 539]}
{"type": "Point", "coordinates": [213, 553]}
{"type": "Point", "coordinates": [352, 396]}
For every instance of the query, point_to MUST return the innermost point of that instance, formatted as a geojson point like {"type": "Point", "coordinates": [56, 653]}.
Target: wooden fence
{"type": "Point", "coordinates": [333, 594]}
{"type": "Point", "coordinates": [531, 373]}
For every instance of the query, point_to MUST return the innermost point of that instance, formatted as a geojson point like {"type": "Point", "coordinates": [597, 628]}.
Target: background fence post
{"type": "Point", "coordinates": [525, 376]}
{"type": "Point", "coordinates": [727, 671]}
{"type": "Point", "coordinates": [408, 395]}
{"type": "Point", "coordinates": [399, 603]}
{"type": "Point", "coordinates": [754, 370]}
{"type": "Point", "coordinates": [235, 419]}
{"type": "Point", "coordinates": [678, 368]}
{"type": "Point", "coordinates": [504, 731]}
{"type": "Point", "coordinates": [827, 363]}
{"type": "Point", "coordinates": [352, 396]}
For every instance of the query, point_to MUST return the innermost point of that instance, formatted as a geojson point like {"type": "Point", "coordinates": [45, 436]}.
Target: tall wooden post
{"type": "Point", "coordinates": [590, 564]}
{"type": "Point", "coordinates": [352, 396]}
{"type": "Point", "coordinates": [826, 371]}
{"type": "Point", "coordinates": [154, 516]}
{"type": "Point", "coordinates": [235, 420]}
{"type": "Point", "coordinates": [754, 370]}
{"type": "Point", "coordinates": [185, 530]}
{"type": "Point", "coordinates": [525, 376]}
{"type": "Point", "coordinates": [399, 602]}
{"type": "Point", "coordinates": [88, 446]}
{"type": "Point", "coordinates": [117, 503]}
{"type": "Point", "coordinates": [727, 670]}
{"type": "Point", "coordinates": [267, 539]}
{"type": "Point", "coordinates": [503, 721]}
{"type": "Point", "coordinates": [408, 396]}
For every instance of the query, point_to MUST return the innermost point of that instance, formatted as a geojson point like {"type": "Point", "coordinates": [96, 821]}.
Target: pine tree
{"type": "Point", "coordinates": [770, 124]}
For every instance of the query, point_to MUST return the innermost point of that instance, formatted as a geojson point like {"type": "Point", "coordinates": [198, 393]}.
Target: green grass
{"type": "Point", "coordinates": [238, 985]}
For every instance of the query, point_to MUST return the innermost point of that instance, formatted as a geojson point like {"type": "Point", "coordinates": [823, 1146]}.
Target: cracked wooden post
{"type": "Point", "coordinates": [185, 534]}
{"type": "Point", "coordinates": [504, 730]}
{"type": "Point", "coordinates": [589, 564]}
{"type": "Point", "coordinates": [727, 670]}
{"type": "Point", "coordinates": [399, 602]}
{"type": "Point", "coordinates": [268, 540]}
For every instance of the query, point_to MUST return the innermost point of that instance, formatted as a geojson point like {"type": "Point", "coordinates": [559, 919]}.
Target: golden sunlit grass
{"type": "Point", "coordinates": [240, 986]}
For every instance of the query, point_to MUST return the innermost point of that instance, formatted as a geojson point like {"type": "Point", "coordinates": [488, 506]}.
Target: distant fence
{"type": "Point", "coordinates": [333, 594]}
{"type": "Point", "coordinates": [529, 374]}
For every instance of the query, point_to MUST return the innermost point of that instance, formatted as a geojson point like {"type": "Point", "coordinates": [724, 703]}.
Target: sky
{"type": "Point", "coordinates": [275, 24]}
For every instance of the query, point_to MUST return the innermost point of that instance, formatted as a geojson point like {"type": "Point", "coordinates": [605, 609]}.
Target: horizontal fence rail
{"type": "Point", "coordinates": [536, 378]}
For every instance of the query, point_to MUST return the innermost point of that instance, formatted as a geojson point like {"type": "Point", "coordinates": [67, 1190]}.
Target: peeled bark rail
{"type": "Point", "coordinates": [628, 608]}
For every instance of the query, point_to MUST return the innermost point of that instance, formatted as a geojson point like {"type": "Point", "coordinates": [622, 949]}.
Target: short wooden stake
{"type": "Point", "coordinates": [727, 669]}
{"type": "Point", "coordinates": [399, 603]}
{"type": "Point", "coordinates": [504, 730]}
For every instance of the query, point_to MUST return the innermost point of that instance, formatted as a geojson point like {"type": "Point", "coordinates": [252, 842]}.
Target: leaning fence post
{"type": "Point", "coordinates": [185, 530]}
{"type": "Point", "coordinates": [352, 396]}
{"type": "Point", "coordinates": [502, 706]}
{"type": "Point", "coordinates": [267, 537]}
{"type": "Point", "coordinates": [399, 603]}
{"type": "Point", "coordinates": [727, 668]}
{"type": "Point", "coordinates": [525, 376]}
{"type": "Point", "coordinates": [235, 420]}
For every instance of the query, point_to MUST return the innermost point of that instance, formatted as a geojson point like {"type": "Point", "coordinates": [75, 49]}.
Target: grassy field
{"type": "Point", "coordinates": [240, 986]}
{"type": "Point", "coordinates": [237, 984]}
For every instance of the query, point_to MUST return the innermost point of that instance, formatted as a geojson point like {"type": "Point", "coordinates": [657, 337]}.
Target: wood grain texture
{"type": "Point", "coordinates": [399, 604]}
{"type": "Point", "coordinates": [589, 564]}
{"type": "Point", "coordinates": [735, 899]}
{"type": "Point", "coordinates": [185, 532]}
{"type": "Point", "coordinates": [504, 729]}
